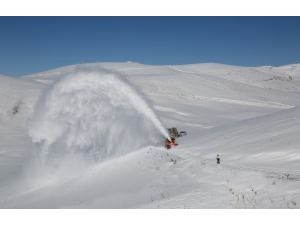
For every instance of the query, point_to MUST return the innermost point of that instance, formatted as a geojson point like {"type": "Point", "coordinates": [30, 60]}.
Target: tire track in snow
{"type": "Point", "coordinates": [190, 73]}
{"type": "Point", "coordinates": [165, 109]}
{"type": "Point", "coordinates": [223, 100]}
{"type": "Point", "coordinates": [257, 103]}
{"type": "Point", "coordinates": [205, 98]}
{"type": "Point", "coordinates": [198, 125]}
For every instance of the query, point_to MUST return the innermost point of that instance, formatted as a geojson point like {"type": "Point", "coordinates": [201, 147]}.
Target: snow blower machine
{"type": "Point", "coordinates": [173, 133]}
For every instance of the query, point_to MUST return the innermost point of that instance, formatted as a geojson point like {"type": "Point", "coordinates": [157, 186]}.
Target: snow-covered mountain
{"type": "Point", "coordinates": [92, 136]}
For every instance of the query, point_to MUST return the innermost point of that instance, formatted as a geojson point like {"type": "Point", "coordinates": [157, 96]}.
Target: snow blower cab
{"type": "Point", "coordinates": [173, 132]}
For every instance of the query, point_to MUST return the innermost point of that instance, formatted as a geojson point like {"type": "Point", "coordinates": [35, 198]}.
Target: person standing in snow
{"type": "Point", "coordinates": [218, 159]}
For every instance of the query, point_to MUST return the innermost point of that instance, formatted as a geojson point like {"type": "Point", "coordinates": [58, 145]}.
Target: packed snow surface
{"type": "Point", "coordinates": [92, 136]}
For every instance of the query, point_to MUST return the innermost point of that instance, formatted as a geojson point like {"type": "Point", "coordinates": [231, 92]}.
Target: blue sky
{"type": "Point", "coordinates": [35, 44]}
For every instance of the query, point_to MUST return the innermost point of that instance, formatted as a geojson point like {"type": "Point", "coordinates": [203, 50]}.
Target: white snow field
{"type": "Point", "coordinates": [92, 136]}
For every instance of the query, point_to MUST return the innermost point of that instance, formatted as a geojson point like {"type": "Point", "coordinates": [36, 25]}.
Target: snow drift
{"type": "Point", "coordinates": [89, 115]}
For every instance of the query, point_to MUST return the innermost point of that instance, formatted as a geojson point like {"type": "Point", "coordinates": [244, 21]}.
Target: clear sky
{"type": "Point", "coordinates": [35, 44]}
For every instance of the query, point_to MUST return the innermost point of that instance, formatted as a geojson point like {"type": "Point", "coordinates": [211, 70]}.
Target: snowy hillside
{"type": "Point", "coordinates": [92, 136]}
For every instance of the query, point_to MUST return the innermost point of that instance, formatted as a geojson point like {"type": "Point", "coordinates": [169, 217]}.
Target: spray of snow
{"type": "Point", "coordinates": [90, 115]}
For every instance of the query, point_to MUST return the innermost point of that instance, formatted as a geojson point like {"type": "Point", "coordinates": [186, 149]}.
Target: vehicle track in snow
{"type": "Point", "coordinates": [207, 98]}
{"type": "Point", "coordinates": [231, 101]}
{"type": "Point", "coordinates": [222, 100]}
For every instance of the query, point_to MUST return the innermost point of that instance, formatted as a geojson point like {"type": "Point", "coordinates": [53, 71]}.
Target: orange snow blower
{"type": "Point", "coordinates": [170, 143]}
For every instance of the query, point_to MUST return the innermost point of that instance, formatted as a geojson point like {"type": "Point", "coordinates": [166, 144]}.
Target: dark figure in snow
{"type": "Point", "coordinates": [218, 159]}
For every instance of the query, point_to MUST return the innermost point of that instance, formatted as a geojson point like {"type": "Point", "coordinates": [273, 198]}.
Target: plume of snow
{"type": "Point", "coordinates": [91, 114]}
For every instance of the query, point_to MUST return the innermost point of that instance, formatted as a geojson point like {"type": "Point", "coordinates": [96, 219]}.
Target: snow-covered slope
{"type": "Point", "coordinates": [250, 116]}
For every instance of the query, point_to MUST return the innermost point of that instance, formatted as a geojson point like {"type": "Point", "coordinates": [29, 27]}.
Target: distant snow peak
{"type": "Point", "coordinates": [93, 114]}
